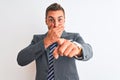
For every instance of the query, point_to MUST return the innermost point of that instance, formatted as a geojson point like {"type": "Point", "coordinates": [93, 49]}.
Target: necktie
{"type": "Point", "coordinates": [50, 61]}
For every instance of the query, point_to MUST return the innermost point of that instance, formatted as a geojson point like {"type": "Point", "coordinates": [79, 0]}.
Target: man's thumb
{"type": "Point", "coordinates": [55, 53]}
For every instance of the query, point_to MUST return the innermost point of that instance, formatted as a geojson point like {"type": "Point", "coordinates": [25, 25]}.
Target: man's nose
{"type": "Point", "coordinates": [56, 23]}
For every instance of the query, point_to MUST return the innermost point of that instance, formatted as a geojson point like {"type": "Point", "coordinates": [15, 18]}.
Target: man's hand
{"type": "Point", "coordinates": [53, 35]}
{"type": "Point", "coordinates": [66, 48]}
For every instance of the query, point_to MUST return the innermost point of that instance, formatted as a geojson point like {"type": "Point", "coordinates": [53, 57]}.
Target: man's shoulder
{"type": "Point", "coordinates": [72, 33]}
{"type": "Point", "coordinates": [38, 36]}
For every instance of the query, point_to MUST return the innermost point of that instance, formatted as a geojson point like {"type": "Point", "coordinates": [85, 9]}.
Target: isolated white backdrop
{"type": "Point", "coordinates": [97, 21]}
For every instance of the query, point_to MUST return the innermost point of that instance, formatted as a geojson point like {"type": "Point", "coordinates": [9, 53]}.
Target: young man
{"type": "Point", "coordinates": [68, 47]}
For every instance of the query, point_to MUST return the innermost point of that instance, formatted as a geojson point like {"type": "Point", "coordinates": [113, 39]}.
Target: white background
{"type": "Point", "coordinates": [97, 21]}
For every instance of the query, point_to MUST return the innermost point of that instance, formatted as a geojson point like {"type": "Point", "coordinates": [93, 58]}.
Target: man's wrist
{"type": "Point", "coordinates": [47, 43]}
{"type": "Point", "coordinates": [79, 46]}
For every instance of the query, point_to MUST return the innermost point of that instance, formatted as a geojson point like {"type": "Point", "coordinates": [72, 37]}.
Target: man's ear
{"type": "Point", "coordinates": [46, 21]}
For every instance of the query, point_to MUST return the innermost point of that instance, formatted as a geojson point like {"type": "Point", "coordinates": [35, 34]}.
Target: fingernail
{"type": "Point", "coordinates": [56, 57]}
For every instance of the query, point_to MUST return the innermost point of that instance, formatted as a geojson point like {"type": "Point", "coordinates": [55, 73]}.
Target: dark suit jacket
{"type": "Point", "coordinates": [65, 67]}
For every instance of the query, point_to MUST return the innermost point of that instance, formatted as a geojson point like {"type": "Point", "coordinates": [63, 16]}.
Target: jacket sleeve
{"type": "Point", "coordinates": [30, 53]}
{"type": "Point", "coordinates": [87, 52]}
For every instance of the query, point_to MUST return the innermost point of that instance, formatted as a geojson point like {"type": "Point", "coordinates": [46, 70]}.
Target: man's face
{"type": "Point", "coordinates": [55, 19]}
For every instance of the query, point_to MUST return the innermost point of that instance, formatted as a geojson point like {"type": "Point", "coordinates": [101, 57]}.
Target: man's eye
{"type": "Point", "coordinates": [50, 20]}
{"type": "Point", "coordinates": [59, 20]}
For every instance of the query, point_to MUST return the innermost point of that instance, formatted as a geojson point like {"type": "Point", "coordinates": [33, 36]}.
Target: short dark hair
{"type": "Point", "coordinates": [54, 7]}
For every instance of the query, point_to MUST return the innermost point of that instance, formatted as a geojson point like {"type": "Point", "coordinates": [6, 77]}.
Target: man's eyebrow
{"type": "Point", "coordinates": [60, 16]}
{"type": "Point", "coordinates": [50, 17]}
{"type": "Point", "coordinates": [53, 18]}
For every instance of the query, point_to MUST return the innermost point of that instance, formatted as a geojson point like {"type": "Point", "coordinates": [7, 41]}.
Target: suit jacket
{"type": "Point", "coordinates": [64, 67]}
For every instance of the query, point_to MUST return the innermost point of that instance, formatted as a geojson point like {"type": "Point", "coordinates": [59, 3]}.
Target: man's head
{"type": "Point", "coordinates": [55, 16]}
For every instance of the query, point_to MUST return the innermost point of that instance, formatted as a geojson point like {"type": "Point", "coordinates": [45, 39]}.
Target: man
{"type": "Point", "coordinates": [69, 46]}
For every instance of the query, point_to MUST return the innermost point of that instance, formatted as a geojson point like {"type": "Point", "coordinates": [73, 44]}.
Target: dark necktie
{"type": "Point", "coordinates": [50, 61]}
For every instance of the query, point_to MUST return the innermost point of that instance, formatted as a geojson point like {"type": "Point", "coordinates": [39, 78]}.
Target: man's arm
{"type": "Point", "coordinates": [30, 53]}
{"type": "Point", "coordinates": [87, 52]}
{"type": "Point", "coordinates": [77, 48]}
